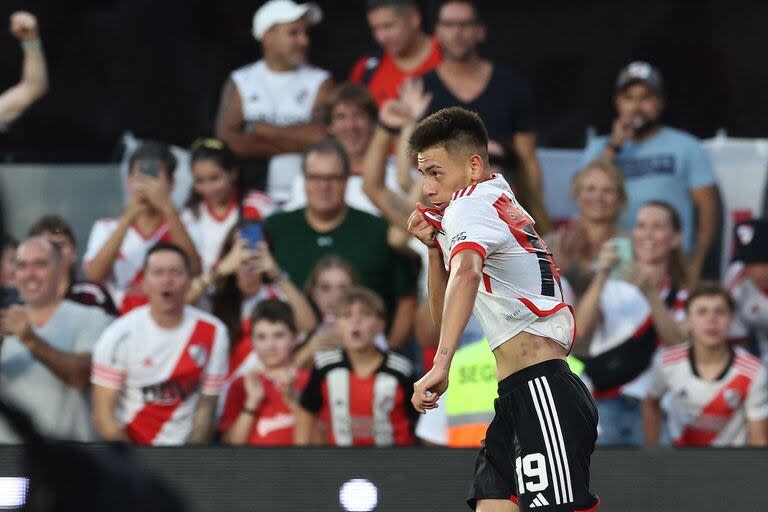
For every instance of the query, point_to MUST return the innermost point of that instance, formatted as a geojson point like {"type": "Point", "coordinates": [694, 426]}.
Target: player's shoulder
{"type": "Point", "coordinates": [329, 359]}
{"type": "Point", "coordinates": [677, 136]}
{"type": "Point", "coordinates": [313, 72]}
{"type": "Point", "coordinates": [745, 363]}
{"type": "Point", "coordinates": [398, 365]}
{"type": "Point", "coordinates": [676, 354]}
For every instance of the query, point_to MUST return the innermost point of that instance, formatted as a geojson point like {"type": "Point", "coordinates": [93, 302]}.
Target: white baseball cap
{"type": "Point", "coordinates": [283, 11]}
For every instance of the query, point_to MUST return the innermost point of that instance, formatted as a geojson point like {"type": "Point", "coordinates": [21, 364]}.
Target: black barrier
{"type": "Point", "coordinates": [421, 480]}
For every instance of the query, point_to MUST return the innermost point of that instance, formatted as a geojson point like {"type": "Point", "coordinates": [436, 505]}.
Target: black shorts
{"type": "Point", "coordinates": [538, 446]}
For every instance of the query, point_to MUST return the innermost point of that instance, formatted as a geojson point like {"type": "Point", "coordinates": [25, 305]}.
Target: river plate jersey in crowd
{"type": "Point", "coordinates": [710, 413]}
{"type": "Point", "coordinates": [161, 372]}
{"type": "Point", "coordinates": [521, 289]}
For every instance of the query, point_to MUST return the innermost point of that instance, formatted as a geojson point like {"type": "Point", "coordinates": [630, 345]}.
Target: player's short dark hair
{"type": "Point", "coordinates": [168, 247]}
{"type": "Point", "coordinates": [274, 311]}
{"type": "Point", "coordinates": [155, 150]}
{"type": "Point", "coordinates": [361, 295]}
{"type": "Point", "coordinates": [454, 128]}
{"type": "Point", "coordinates": [401, 6]}
{"type": "Point", "coordinates": [52, 224]}
{"type": "Point", "coordinates": [326, 147]}
{"type": "Point", "coordinates": [710, 289]}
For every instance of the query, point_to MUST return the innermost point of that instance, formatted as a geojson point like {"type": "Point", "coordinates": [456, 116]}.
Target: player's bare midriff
{"type": "Point", "coordinates": [524, 350]}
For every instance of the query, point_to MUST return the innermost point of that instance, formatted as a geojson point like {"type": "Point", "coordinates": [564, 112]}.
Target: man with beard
{"type": "Point", "coordinates": [659, 162]}
{"type": "Point", "coordinates": [500, 95]}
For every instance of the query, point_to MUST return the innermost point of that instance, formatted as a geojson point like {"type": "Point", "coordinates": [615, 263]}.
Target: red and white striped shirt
{"type": "Point", "coordinates": [709, 413]}
{"type": "Point", "coordinates": [161, 372]}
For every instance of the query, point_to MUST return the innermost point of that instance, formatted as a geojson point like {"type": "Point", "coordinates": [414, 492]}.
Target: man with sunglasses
{"type": "Point", "coordinates": [328, 225]}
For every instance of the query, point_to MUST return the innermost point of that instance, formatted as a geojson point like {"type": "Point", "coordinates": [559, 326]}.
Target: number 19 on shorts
{"type": "Point", "coordinates": [533, 467]}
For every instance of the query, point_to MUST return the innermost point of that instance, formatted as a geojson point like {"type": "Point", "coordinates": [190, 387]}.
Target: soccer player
{"type": "Point", "coordinates": [717, 392]}
{"type": "Point", "coordinates": [485, 253]}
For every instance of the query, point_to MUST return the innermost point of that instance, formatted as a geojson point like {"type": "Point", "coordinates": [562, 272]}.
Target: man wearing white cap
{"type": "Point", "coordinates": [266, 109]}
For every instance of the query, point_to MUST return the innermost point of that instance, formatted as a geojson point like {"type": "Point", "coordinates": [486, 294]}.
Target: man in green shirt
{"type": "Point", "coordinates": [329, 226]}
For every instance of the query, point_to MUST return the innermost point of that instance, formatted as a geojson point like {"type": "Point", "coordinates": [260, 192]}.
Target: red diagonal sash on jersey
{"type": "Point", "coordinates": [150, 419]}
{"type": "Point", "coordinates": [719, 408]}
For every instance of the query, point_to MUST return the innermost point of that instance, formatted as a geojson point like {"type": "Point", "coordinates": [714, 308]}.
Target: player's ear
{"type": "Point", "coordinates": [477, 167]}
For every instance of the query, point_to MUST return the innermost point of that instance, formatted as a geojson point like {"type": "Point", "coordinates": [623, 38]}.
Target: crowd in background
{"type": "Point", "coordinates": [286, 304]}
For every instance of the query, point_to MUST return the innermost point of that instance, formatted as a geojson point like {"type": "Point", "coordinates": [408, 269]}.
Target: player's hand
{"type": "Point", "coordinates": [265, 263]}
{"type": "Point", "coordinates": [24, 26]}
{"type": "Point", "coordinates": [236, 256]}
{"type": "Point", "coordinates": [421, 228]}
{"type": "Point", "coordinates": [428, 389]}
{"type": "Point", "coordinates": [156, 192]}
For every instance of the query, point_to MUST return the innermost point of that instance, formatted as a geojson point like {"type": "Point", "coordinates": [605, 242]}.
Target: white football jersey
{"type": "Point", "coordinates": [282, 99]}
{"type": "Point", "coordinates": [127, 271]}
{"type": "Point", "coordinates": [709, 413]}
{"type": "Point", "coordinates": [521, 289]}
{"type": "Point", "coordinates": [161, 372]}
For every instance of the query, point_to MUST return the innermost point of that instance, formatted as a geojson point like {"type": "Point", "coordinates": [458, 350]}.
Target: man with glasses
{"type": "Point", "coordinates": [329, 226]}
{"type": "Point", "coordinates": [500, 95]}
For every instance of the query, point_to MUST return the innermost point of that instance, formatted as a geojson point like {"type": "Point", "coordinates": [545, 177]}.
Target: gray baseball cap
{"type": "Point", "coordinates": [640, 72]}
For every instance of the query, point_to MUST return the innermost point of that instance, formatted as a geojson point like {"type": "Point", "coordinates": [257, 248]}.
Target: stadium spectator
{"type": "Point", "coordinates": [500, 95]}
{"type": "Point", "coordinates": [326, 285]}
{"type": "Point", "coordinates": [158, 371]}
{"type": "Point", "coordinates": [58, 231]}
{"type": "Point", "coordinates": [267, 108]}
{"type": "Point", "coordinates": [329, 226]}
{"type": "Point", "coordinates": [45, 355]}
{"type": "Point", "coordinates": [259, 407]}
{"type": "Point", "coordinates": [351, 119]}
{"type": "Point", "coordinates": [34, 74]}
{"type": "Point", "coordinates": [214, 204]}
{"type": "Point", "coordinates": [747, 280]}
{"type": "Point", "coordinates": [404, 49]}
{"type": "Point", "coordinates": [624, 316]}
{"type": "Point", "coordinates": [117, 247]}
{"type": "Point", "coordinates": [599, 192]}
{"type": "Point", "coordinates": [244, 278]}
{"type": "Point", "coordinates": [659, 162]}
{"type": "Point", "coordinates": [358, 391]}
{"type": "Point", "coordinates": [8, 262]}
{"type": "Point", "coordinates": [717, 394]}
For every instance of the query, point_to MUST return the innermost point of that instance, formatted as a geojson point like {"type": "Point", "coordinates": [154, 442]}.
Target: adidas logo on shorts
{"type": "Point", "coordinates": [539, 501]}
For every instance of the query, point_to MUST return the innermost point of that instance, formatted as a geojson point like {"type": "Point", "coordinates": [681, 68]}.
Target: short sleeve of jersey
{"type": "Point", "coordinates": [312, 396]}
{"type": "Point", "coordinates": [90, 327]}
{"type": "Point", "coordinates": [100, 233]}
{"type": "Point", "coordinates": [471, 224]}
{"type": "Point", "coordinates": [233, 404]}
{"type": "Point", "coordinates": [658, 380]}
{"type": "Point", "coordinates": [218, 363]}
{"type": "Point", "coordinates": [700, 172]}
{"type": "Point", "coordinates": [757, 397]}
{"type": "Point", "coordinates": [108, 367]}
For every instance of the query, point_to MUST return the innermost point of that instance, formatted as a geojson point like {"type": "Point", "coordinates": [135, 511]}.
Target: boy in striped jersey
{"type": "Point", "coordinates": [485, 255]}
{"type": "Point", "coordinates": [717, 392]}
{"type": "Point", "coordinates": [357, 391]}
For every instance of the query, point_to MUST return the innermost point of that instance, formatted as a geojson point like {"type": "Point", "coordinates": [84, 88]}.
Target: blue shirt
{"type": "Point", "coordinates": [666, 167]}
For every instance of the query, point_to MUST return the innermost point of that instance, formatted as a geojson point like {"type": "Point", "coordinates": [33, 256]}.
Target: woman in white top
{"type": "Point", "coordinates": [215, 206]}
{"type": "Point", "coordinates": [623, 318]}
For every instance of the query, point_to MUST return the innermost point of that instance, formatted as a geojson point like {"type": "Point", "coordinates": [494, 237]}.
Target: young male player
{"type": "Point", "coordinates": [485, 254]}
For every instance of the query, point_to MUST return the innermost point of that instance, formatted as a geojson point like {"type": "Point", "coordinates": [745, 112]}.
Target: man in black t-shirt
{"type": "Point", "coordinates": [500, 95]}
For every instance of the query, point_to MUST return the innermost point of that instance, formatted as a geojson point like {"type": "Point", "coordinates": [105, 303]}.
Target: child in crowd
{"type": "Point", "coordinates": [260, 405]}
{"type": "Point", "coordinates": [717, 392]}
{"type": "Point", "coordinates": [360, 392]}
